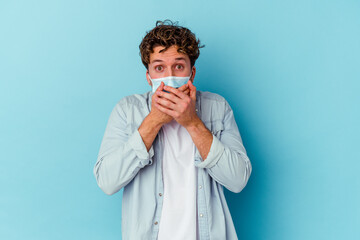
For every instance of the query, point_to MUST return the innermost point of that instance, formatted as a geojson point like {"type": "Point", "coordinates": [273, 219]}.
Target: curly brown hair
{"type": "Point", "coordinates": [166, 34]}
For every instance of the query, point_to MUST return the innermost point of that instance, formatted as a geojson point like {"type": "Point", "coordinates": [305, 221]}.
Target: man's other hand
{"type": "Point", "coordinates": [177, 104]}
{"type": "Point", "coordinates": [155, 114]}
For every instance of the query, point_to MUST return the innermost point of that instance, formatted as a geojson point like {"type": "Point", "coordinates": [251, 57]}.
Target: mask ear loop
{"type": "Point", "coordinates": [152, 82]}
{"type": "Point", "coordinates": [149, 76]}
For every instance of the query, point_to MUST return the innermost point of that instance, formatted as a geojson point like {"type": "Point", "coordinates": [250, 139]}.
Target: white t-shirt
{"type": "Point", "coordinates": [179, 213]}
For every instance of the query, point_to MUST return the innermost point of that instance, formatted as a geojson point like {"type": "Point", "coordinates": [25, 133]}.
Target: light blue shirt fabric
{"type": "Point", "coordinates": [124, 162]}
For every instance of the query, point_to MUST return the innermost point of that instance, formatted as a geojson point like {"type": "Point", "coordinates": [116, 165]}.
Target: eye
{"type": "Point", "coordinates": [159, 68]}
{"type": "Point", "coordinates": [178, 67]}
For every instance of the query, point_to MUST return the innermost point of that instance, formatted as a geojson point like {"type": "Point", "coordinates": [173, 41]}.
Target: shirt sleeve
{"type": "Point", "coordinates": [216, 150]}
{"type": "Point", "coordinates": [227, 161]}
{"type": "Point", "coordinates": [122, 154]}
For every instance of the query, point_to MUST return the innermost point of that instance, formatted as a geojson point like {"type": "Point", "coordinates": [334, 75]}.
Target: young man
{"type": "Point", "coordinates": [173, 149]}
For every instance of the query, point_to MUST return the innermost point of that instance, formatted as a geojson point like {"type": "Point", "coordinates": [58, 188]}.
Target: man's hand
{"type": "Point", "coordinates": [152, 123]}
{"type": "Point", "coordinates": [182, 108]}
{"type": "Point", "coordinates": [155, 114]}
{"type": "Point", "coordinates": [177, 104]}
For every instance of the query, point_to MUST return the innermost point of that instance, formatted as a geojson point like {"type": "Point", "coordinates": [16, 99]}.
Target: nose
{"type": "Point", "coordinates": [169, 72]}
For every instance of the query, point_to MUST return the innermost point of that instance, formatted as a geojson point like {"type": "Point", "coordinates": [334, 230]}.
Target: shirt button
{"type": "Point", "coordinates": [200, 187]}
{"type": "Point", "coordinates": [160, 194]}
{"type": "Point", "coordinates": [201, 215]}
{"type": "Point", "coordinates": [156, 223]}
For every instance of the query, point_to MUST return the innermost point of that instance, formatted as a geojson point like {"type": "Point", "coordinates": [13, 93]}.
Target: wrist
{"type": "Point", "coordinates": [194, 125]}
{"type": "Point", "coordinates": [153, 122]}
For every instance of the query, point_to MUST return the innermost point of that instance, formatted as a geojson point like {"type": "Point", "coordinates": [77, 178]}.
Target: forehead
{"type": "Point", "coordinates": [170, 55]}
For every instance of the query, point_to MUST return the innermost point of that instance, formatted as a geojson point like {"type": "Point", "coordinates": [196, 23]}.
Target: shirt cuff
{"type": "Point", "coordinates": [136, 142]}
{"type": "Point", "coordinates": [216, 150]}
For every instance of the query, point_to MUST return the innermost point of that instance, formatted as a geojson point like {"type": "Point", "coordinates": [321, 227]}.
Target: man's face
{"type": "Point", "coordinates": [169, 63]}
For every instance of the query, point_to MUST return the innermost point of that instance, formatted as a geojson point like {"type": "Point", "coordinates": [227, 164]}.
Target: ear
{"type": "Point", "coordinates": [193, 72]}
{"type": "Point", "coordinates": [147, 78]}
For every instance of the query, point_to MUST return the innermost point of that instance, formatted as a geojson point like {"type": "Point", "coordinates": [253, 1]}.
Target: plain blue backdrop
{"type": "Point", "coordinates": [289, 69]}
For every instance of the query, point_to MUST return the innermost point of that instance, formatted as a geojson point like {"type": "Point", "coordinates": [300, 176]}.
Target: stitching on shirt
{"type": "Point", "coordinates": [207, 214]}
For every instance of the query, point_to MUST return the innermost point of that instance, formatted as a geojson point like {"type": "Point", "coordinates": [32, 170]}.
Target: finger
{"type": "Point", "coordinates": [158, 98]}
{"type": "Point", "coordinates": [187, 91]}
{"type": "Point", "coordinates": [175, 91]}
{"type": "Point", "coordinates": [160, 87]}
{"type": "Point", "coordinates": [183, 87]}
{"type": "Point", "coordinates": [165, 103]}
{"type": "Point", "coordinates": [192, 90]}
{"type": "Point", "coordinates": [169, 96]}
{"type": "Point", "coordinates": [165, 110]}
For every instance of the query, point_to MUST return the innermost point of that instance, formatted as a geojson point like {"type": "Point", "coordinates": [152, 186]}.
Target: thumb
{"type": "Point", "coordinates": [161, 87]}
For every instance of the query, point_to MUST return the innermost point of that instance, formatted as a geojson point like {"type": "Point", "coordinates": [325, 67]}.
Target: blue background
{"type": "Point", "coordinates": [289, 69]}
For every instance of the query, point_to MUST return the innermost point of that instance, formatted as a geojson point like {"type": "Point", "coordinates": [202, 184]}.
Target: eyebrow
{"type": "Point", "coordinates": [180, 58]}
{"type": "Point", "coordinates": [177, 59]}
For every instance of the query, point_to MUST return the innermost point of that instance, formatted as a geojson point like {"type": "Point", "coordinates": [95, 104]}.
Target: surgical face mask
{"type": "Point", "coordinates": [171, 81]}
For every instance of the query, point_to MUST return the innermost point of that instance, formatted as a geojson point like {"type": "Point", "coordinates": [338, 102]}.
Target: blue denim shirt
{"type": "Point", "coordinates": [124, 162]}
